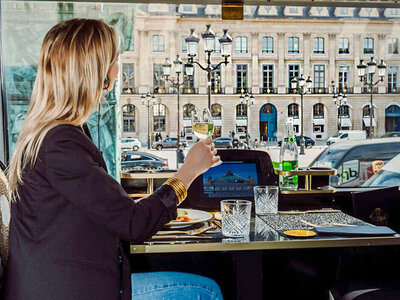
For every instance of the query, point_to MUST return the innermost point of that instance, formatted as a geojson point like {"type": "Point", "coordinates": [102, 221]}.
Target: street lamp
{"type": "Point", "coordinates": [209, 39]}
{"type": "Point", "coordinates": [149, 100]}
{"type": "Point", "coordinates": [177, 83]}
{"type": "Point", "coordinates": [248, 100]}
{"type": "Point", "coordinates": [366, 73]}
{"type": "Point", "coordinates": [301, 86]}
{"type": "Point", "coordinates": [339, 100]}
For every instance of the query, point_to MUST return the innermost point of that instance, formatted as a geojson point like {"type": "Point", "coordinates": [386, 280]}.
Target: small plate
{"type": "Point", "coordinates": [198, 216]}
{"type": "Point", "coordinates": [303, 234]}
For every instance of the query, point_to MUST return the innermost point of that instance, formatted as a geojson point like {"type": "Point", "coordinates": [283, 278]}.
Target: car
{"type": "Point", "coordinates": [386, 175]}
{"type": "Point", "coordinates": [391, 134]}
{"type": "Point", "coordinates": [141, 160]}
{"type": "Point", "coordinates": [222, 142]}
{"type": "Point", "coordinates": [347, 135]}
{"type": "Point", "coordinates": [356, 161]}
{"type": "Point", "coordinates": [129, 144]}
{"type": "Point", "coordinates": [169, 142]}
{"type": "Point", "coordinates": [308, 142]}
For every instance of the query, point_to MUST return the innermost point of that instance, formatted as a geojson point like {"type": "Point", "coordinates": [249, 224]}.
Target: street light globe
{"type": "Point", "coordinates": [178, 64]}
{"type": "Point", "coordinates": [209, 39]}
{"type": "Point", "coordinates": [382, 69]}
{"type": "Point", "coordinates": [371, 66]}
{"type": "Point", "coordinates": [293, 83]}
{"type": "Point", "coordinates": [166, 67]}
{"type": "Point", "coordinates": [189, 69]}
{"type": "Point", "coordinates": [192, 43]}
{"type": "Point", "coordinates": [361, 68]}
{"type": "Point", "coordinates": [226, 44]}
{"type": "Point", "coordinates": [302, 81]}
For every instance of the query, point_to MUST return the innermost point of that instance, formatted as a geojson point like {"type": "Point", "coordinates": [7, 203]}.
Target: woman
{"type": "Point", "coordinates": [68, 214]}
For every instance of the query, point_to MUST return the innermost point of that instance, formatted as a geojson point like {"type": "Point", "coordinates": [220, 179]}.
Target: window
{"type": "Point", "coordinates": [366, 111]}
{"type": "Point", "coordinates": [293, 110]}
{"type": "Point", "coordinates": [187, 110]}
{"type": "Point", "coordinates": [344, 46]}
{"type": "Point", "coordinates": [241, 111]}
{"type": "Point", "coordinates": [159, 117]}
{"type": "Point", "coordinates": [294, 71]}
{"type": "Point", "coordinates": [293, 45]}
{"type": "Point", "coordinates": [216, 81]}
{"type": "Point", "coordinates": [392, 79]}
{"type": "Point", "coordinates": [343, 78]}
{"type": "Point", "coordinates": [128, 115]}
{"type": "Point", "coordinates": [158, 79]}
{"type": "Point", "coordinates": [368, 45]}
{"type": "Point", "coordinates": [216, 111]}
{"type": "Point", "coordinates": [344, 11]}
{"type": "Point", "coordinates": [267, 43]}
{"type": "Point", "coordinates": [158, 43]}
{"type": "Point", "coordinates": [217, 45]}
{"type": "Point", "coordinates": [268, 77]}
{"type": "Point", "coordinates": [319, 45]}
{"type": "Point", "coordinates": [319, 76]}
{"type": "Point", "coordinates": [344, 111]}
{"type": "Point", "coordinates": [293, 10]}
{"type": "Point", "coordinates": [184, 44]}
{"type": "Point", "coordinates": [128, 79]}
{"type": "Point", "coordinates": [318, 111]}
{"type": "Point", "coordinates": [241, 44]}
{"type": "Point", "coordinates": [241, 78]}
{"type": "Point", "coordinates": [393, 46]}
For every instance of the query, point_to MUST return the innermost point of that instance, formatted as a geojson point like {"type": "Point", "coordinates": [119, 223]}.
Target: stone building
{"type": "Point", "coordinates": [271, 45]}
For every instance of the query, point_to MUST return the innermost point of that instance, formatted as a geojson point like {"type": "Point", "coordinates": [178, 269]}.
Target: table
{"type": "Point", "coordinates": [248, 251]}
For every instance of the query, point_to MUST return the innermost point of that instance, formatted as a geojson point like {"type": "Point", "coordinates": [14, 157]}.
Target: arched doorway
{"type": "Point", "coordinates": [392, 118]}
{"type": "Point", "coordinates": [268, 122]}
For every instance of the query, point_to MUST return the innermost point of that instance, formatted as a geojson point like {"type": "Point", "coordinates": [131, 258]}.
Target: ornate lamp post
{"type": "Point", "coordinates": [149, 100]}
{"type": "Point", "coordinates": [248, 100]}
{"type": "Point", "coordinates": [368, 79]}
{"type": "Point", "coordinates": [339, 100]}
{"type": "Point", "coordinates": [301, 86]}
{"type": "Point", "coordinates": [177, 83]}
{"type": "Point", "coordinates": [209, 39]}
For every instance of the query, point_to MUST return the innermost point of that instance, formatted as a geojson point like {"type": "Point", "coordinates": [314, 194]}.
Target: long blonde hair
{"type": "Point", "coordinates": [74, 60]}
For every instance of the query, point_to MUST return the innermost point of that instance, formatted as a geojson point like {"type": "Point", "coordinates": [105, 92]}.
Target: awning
{"type": "Point", "coordinates": [296, 121]}
{"type": "Point", "coordinates": [187, 122]}
{"type": "Point", "coordinates": [367, 120]}
{"type": "Point", "coordinates": [345, 122]}
{"type": "Point", "coordinates": [241, 122]}
{"type": "Point", "coordinates": [319, 121]}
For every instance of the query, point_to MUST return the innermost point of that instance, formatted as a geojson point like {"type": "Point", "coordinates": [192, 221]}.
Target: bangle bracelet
{"type": "Point", "coordinates": [178, 187]}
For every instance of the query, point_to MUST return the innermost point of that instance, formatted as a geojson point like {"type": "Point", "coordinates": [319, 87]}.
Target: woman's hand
{"type": "Point", "coordinates": [198, 160]}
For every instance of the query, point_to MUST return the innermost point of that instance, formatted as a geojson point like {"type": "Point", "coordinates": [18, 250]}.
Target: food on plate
{"type": "Point", "coordinates": [182, 216]}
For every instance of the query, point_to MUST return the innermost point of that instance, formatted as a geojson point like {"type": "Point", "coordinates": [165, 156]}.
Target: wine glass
{"type": "Point", "coordinates": [203, 125]}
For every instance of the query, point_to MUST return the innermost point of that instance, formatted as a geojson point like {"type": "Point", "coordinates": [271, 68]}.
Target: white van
{"type": "Point", "coordinates": [347, 135]}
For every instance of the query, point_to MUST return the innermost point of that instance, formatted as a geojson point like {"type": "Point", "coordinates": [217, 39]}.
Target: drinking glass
{"type": "Point", "coordinates": [235, 217]}
{"type": "Point", "coordinates": [203, 125]}
{"type": "Point", "coordinates": [266, 199]}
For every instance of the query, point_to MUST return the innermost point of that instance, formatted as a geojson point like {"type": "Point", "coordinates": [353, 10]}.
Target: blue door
{"type": "Point", "coordinates": [392, 118]}
{"type": "Point", "coordinates": [268, 124]}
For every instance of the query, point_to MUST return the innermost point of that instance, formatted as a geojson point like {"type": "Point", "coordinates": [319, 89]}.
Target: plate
{"type": "Point", "coordinates": [198, 216]}
{"type": "Point", "coordinates": [303, 234]}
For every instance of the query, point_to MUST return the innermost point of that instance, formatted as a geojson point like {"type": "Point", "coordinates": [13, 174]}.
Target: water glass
{"type": "Point", "coordinates": [266, 199]}
{"type": "Point", "coordinates": [235, 218]}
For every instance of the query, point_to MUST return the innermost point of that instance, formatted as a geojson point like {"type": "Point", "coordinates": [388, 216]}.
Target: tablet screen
{"type": "Point", "coordinates": [230, 179]}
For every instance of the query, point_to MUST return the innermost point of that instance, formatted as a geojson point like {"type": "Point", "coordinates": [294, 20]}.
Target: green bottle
{"type": "Point", "coordinates": [289, 158]}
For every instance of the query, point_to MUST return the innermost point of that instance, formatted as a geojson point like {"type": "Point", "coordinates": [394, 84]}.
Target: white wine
{"type": "Point", "coordinates": [202, 130]}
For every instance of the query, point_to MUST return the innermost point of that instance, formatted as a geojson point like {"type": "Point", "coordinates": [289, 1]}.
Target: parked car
{"type": "Point", "coordinates": [222, 142]}
{"type": "Point", "coordinates": [129, 144]}
{"type": "Point", "coordinates": [388, 175]}
{"type": "Point", "coordinates": [347, 135]}
{"type": "Point", "coordinates": [308, 142]}
{"type": "Point", "coordinates": [357, 161]}
{"type": "Point", "coordinates": [169, 143]}
{"type": "Point", "coordinates": [391, 134]}
{"type": "Point", "coordinates": [140, 160]}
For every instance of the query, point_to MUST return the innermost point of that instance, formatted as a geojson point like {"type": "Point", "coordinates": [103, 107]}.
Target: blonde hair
{"type": "Point", "coordinates": [74, 60]}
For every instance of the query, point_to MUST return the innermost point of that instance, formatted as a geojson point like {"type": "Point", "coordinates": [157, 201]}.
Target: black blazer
{"type": "Point", "coordinates": [66, 227]}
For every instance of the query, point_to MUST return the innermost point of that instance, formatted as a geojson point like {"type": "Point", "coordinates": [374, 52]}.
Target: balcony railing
{"type": "Point", "coordinates": [268, 90]}
{"type": "Point", "coordinates": [345, 90]}
{"type": "Point", "coordinates": [242, 90]}
{"type": "Point", "coordinates": [189, 91]}
{"type": "Point", "coordinates": [130, 90]}
{"type": "Point", "coordinates": [320, 90]}
{"type": "Point", "coordinates": [367, 90]}
{"type": "Point", "coordinates": [393, 91]}
{"type": "Point", "coordinates": [160, 90]}
{"type": "Point", "coordinates": [218, 91]}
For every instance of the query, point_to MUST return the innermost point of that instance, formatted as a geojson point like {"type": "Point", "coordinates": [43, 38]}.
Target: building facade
{"type": "Point", "coordinates": [270, 47]}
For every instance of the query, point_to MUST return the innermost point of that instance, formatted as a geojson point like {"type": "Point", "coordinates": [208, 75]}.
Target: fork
{"type": "Point", "coordinates": [194, 232]}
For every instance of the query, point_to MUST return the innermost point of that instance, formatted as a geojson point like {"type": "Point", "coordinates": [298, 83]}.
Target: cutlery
{"type": "Point", "coordinates": [293, 212]}
{"type": "Point", "coordinates": [164, 237]}
{"type": "Point", "coordinates": [325, 224]}
{"type": "Point", "coordinates": [169, 242]}
{"type": "Point", "coordinates": [195, 232]}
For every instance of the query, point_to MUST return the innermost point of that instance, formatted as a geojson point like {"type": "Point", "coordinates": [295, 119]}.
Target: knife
{"type": "Point", "coordinates": [177, 237]}
{"type": "Point", "coordinates": [169, 242]}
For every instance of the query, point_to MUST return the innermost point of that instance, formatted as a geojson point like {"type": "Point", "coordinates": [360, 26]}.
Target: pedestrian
{"type": "Point", "coordinates": [68, 214]}
{"type": "Point", "coordinates": [235, 143]}
{"type": "Point", "coordinates": [255, 143]}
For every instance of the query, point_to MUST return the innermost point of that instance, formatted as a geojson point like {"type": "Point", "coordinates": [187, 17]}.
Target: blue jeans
{"type": "Point", "coordinates": [173, 285]}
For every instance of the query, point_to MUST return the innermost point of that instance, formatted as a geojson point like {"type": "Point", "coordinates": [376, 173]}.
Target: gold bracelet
{"type": "Point", "coordinates": [178, 187]}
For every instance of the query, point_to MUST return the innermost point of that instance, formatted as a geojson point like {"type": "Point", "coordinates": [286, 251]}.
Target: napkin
{"type": "Point", "coordinates": [361, 230]}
